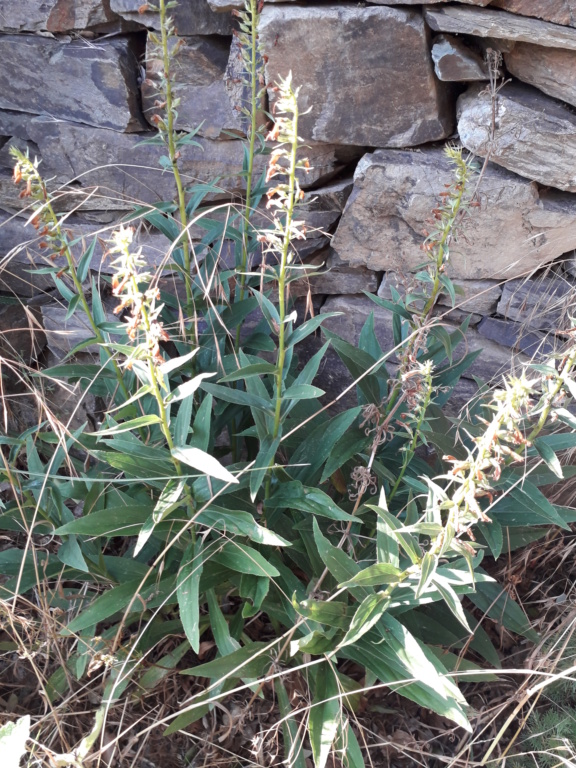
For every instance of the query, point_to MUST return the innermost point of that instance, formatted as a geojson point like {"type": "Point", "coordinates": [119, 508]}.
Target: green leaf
{"type": "Point", "coordinates": [516, 538]}
{"type": "Point", "coordinates": [201, 426]}
{"type": "Point", "coordinates": [98, 312]}
{"type": "Point", "coordinates": [107, 604]}
{"type": "Point", "coordinates": [405, 540]}
{"type": "Point", "coordinates": [268, 447]}
{"type": "Point", "coordinates": [357, 361]}
{"type": "Point", "coordinates": [324, 714]}
{"type": "Point", "coordinates": [76, 371]}
{"type": "Point", "coordinates": [308, 327]}
{"type": "Point", "coordinates": [392, 306]}
{"type": "Point", "coordinates": [187, 389]}
{"type": "Point", "coordinates": [374, 576]}
{"type": "Point", "coordinates": [242, 559]}
{"type": "Point", "coordinates": [398, 663]}
{"type": "Point", "coordinates": [255, 589]}
{"type": "Point", "coordinates": [256, 369]}
{"type": "Point", "coordinates": [419, 661]}
{"type": "Point", "coordinates": [348, 749]}
{"type": "Point", "coordinates": [454, 663]}
{"type": "Point", "coordinates": [204, 463]}
{"type": "Point", "coordinates": [493, 600]}
{"type": "Point", "coordinates": [531, 499]}
{"type": "Point", "coordinates": [238, 397]}
{"type": "Point", "coordinates": [367, 615]}
{"type": "Point", "coordinates": [387, 547]}
{"type": "Point", "coordinates": [293, 746]}
{"type": "Point", "coordinates": [70, 554]}
{"type": "Point", "coordinates": [72, 306]}
{"type": "Point", "coordinates": [564, 415]}
{"type": "Point", "coordinates": [342, 567]}
{"type": "Point", "coordinates": [170, 499]}
{"type": "Point", "coordinates": [85, 261]}
{"type": "Point", "coordinates": [294, 495]}
{"type": "Point", "coordinates": [449, 285]}
{"type": "Point", "coordinates": [188, 592]}
{"type": "Point", "coordinates": [547, 453]}
{"type": "Point", "coordinates": [248, 661]}
{"type": "Point", "coordinates": [319, 443]}
{"type": "Point", "coordinates": [177, 362]}
{"type": "Point", "coordinates": [239, 522]}
{"type": "Point", "coordinates": [13, 738]}
{"type": "Point", "coordinates": [302, 392]}
{"type": "Point", "coordinates": [428, 569]}
{"type": "Point", "coordinates": [451, 599]}
{"type": "Point", "coordinates": [225, 643]}
{"type": "Point", "coordinates": [350, 444]}
{"type": "Point", "coordinates": [494, 536]}
{"type": "Point", "coordinates": [127, 426]}
{"type": "Point", "coordinates": [163, 667]}
{"type": "Point", "coordinates": [66, 293]}
{"type": "Point", "coordinates": [333, 613]}
{"type": "Point", "coordinates": [182, 421]}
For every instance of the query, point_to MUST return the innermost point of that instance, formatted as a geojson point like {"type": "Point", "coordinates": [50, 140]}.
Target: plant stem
{"type": "Point", "coordinates": [282, 276]}
{"type": "Point", "coordinates": [173, 154]}
{"type": "Point", "coordinates": [254, 88]}
{"type": "Point", "coordinates": [78, 285]}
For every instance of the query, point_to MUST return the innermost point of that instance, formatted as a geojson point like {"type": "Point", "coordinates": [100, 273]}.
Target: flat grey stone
{"type": "Point", "coordinates": [20, 255]}
{"type": "Point", "coordinates": [21, 336]}
{"type": "Point", "coordinates": [479, 296]}
{"type": "Point", "coordinates": [456, 316]}
{"type": "Point", "coordinates": [334, 278]}
{"type": "Point", "coordinates": [14, 123]}
{"type": "Point", "coordinates": [239, 92]}
{"type": "Point", "coordinates": [384, 221]}
{"type": "Point", "coordinates": [199, 71]}
{"type": "Point", "coordinates": [93, 84]}
{"type": "Point", "coordinates": [191, 17]}
{"type": "Point", "coordinates": [228, 5]}
{"type": "Point", "coordinates": [124, 171]}
{"type": "Point", "coordinates": [62, 334]}
{"type": "Point", "coordinates": [54, 15]}
{"type": "Point", "coordinates": [543, 303]}
{"type": "Point", "coordinates": [551, 70]}
{"type": "Point", "coordinates": [500, 25]}
{"type": "Point", "coordinates": [18, 258]}
{"type": "Point", "coordinates": [557, 11]}
{"type": "Point", "coordinates": [429, 2]}
{"type": "Point", "coordinates": [454, 61]}
{"type": "Point", "coordinates": [535, 136]}
{"type": "Point", "coordinates": [514, 335]}
{"type": "Point", "coordinates": [352, 64]}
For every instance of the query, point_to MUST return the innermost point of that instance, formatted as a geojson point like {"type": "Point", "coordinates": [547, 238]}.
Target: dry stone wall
{"type": "Point", "coordinates": [383, 86]}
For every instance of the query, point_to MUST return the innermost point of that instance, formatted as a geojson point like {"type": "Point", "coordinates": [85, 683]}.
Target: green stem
{"type": "Point", "coordinates": [164, 425]}
{"type": "Point", "coordinates": [282, 277]}
{"type": "Point", "coordinates": [415, 440]}
{"type": "Point", "coordinates": [254, 88]}
{"type": "Point", "coordinates": [79, 288]}
{"type": "Point", "coordinates": [561, 380]}
{"type": "Point", "coordinates": [441, 252]}
{"type": "Point", "coordinates": [173, 155]}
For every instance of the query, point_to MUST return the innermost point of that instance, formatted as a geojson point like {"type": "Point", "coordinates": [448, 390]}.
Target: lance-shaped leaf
{"type": "Point", "coordinates": [367, 615]}
{"type": "Point", "coordinates": [188, 591]}
{"type": "Point", "coordinates": [169, 500]}
{"type": "Point", "coordinates": [204, 463]}
{"type": "Point", "coordinates": [324, 714]}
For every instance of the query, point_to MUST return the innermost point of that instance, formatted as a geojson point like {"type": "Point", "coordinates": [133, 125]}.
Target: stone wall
{"type": "Point", "coordinates": [385, 83]}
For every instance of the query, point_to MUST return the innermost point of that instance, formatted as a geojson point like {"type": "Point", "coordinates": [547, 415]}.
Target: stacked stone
{"type": "Point", "coordinates": [382, 86]}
